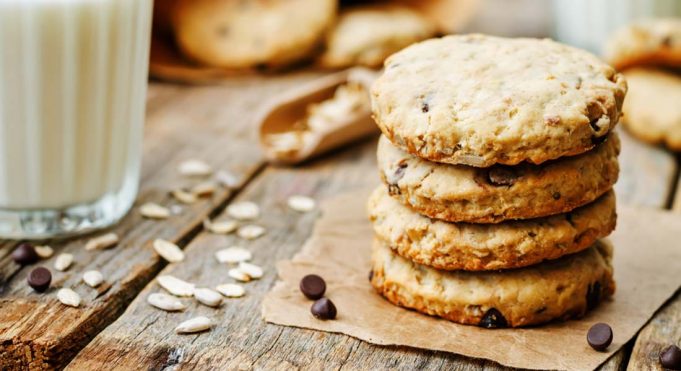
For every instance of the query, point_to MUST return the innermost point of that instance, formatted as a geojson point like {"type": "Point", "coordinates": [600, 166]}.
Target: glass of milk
{"type": "Point", "coordinates": [73, 80]}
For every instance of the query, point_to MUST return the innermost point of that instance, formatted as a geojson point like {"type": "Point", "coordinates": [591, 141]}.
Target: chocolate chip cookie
{"type": "Point", "coordinates": [513, 244]}
{"type": "Point", "coordinates": [559, 289]}
{"type": "Point", "coordinates": [653, 106]}
{"type": "Point", "coordinates": [481, 100]}
{"type": "Point", "coordinates": [462, 193]}
{"type": "Point", "coordinates": [646, 42]}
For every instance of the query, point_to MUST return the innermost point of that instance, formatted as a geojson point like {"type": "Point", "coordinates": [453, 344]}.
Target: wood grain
{"type": "Point", "coordinates": [647, 173]}
{"type": "Point", "coordinates": [214, 124]}
{"type": "Point", "coordinates": [186, 123]}
{"type": "Point", "coordinates": [241, 339]}
{"type": "Point", "coordinates": [663, 330]}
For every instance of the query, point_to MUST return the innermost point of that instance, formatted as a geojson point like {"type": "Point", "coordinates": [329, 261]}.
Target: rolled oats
{"type": "Point", "coordinates": [165, 302]}
{"type": "Point", "coordinates": [104, 241]}
{"type": "Point", "coordinates": [168, 250]}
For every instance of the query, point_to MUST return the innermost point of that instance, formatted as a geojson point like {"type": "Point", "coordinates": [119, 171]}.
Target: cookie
{"type": "Point", "coordinates": [480, 100]}
{"type": "Point", "coordinates": [368, 35]}
{"type": "Point", "coordinates": [652, 111]}
{"type": "Point", "coordinates": [465, 246]}
{"type": "Point", "coordinates": [559, 289]}
{"type": "Point", "coordinates": [251, 33]}
{"type": "Point", "coordinates": [459, 193]}
{"type": "Point", "coordinates": [647, 42]}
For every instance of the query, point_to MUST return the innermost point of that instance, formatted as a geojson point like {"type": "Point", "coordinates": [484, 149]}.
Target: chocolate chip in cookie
{"type": "Point", "coordinates": [502, 176]}
{"type": "Point", "coordinates": [493, 319]}
{"type": "Point", "coordinates": [593, 295]}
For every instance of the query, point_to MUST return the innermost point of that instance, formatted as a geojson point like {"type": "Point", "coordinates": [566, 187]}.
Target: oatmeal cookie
{"type": "Point", "coordinates": [465, 246]}
{"type": "Point", "coordinates": [481, 100]}
{"type": "Point", "coordinates": [555, 290]}
{"type": "Point", "coordinates": [460, 193]}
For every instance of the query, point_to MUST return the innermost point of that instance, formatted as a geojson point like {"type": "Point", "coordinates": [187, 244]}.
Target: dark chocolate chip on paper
{"type": "Point", "coordinates": [599, 336]}
{"type": "Point", "coordinates": [493, 319]}
{"type": "Point", "coordinates": [323, 309]}
{"type": "Point", "coordinates": [313, 286]}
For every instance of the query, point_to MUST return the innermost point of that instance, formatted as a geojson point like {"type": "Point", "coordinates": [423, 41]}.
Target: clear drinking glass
{"type": "Point", "coordinates": [73, 80]}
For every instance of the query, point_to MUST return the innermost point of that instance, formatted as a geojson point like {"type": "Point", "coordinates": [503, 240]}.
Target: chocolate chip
{"type": "Point", "coordinates": [425, 108]}
{"type": "Point", "coordinates": [671, 358]}
{"type": "Point", "coordinates": [556, 195]}
{"type": "Point", "coordinates": [502, 176]}
{"type": "Point", "coordinates": [594, 125]}
{"type": "Point", "coordinates": [399, 172]}
{"type": "Point", "coordinates": [598, 140]}
{"type": "Point", "coordinates": [323, 309]}
{"type": "Point", "coordinates": [394, 189]}
{"type": "Point", "coordinates": [39, 279]}
{"type": "Point", "coordinates": [493, 319]}
{"type": "Point", "coordinates": [313, 286]}
{"type": "Point", "coordinates": [371, 275]}
{"type": "Point", "coordinates": [25, 254]}
{"type": "Point", "coordinates": [599, 336]}
{"type": "Point", "coordinates": [593, 295]}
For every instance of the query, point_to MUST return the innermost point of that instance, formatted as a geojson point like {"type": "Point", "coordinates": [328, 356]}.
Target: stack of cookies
{"type": "Point", "coordinates": [498, 161]}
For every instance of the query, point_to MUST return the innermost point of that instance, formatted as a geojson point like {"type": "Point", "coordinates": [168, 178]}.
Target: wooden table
{"type": "Point", "coordinates": [117, 329]}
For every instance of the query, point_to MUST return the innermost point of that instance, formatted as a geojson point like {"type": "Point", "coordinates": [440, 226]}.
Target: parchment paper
{"type": "Point", "coordinates": [647, 263]}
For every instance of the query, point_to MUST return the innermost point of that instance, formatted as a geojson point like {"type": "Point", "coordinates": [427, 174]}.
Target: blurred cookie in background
{"type": "Point", "coordinates": [367, 35]}
{"type": "Point", "coordinates": [251, 33]}
{"type": "Point", "coordinates": [649, 42]}
{"type": "Point", "coordinates": [448, 16]}
{"type": "Point", "coordinates": [648, 52]}
{"type": "Point", "coordinates": [652, 110]}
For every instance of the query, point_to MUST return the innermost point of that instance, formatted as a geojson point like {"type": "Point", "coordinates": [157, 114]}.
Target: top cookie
{"type": "Point", "coordinates": [648, 42]}
{"type": "Point", "coordinates": [480, 100]}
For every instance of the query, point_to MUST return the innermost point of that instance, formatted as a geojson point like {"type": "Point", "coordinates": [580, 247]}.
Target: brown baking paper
{"type": "Point", "coordinates": [647, 263]}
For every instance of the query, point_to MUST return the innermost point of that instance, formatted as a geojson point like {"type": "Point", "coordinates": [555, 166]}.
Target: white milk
{"type": "Point", "coordinates": [72, 97]}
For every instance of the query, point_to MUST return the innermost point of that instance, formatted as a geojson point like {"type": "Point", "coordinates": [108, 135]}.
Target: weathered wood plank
{"type": "Point", "coordinates": [144, 336]}
{"type": "Point", "coordinates": [663, 329]}
{"type": "Point", "coordinates": [646, 179]}
{"type": "Point", "coordinates": [210, 123]}
{"type": "Point", "coordinates": [647, 173]}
